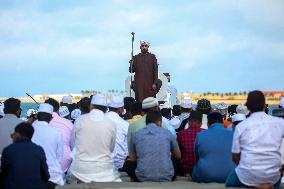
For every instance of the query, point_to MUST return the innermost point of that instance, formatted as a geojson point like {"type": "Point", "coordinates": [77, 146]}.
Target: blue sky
{"type": "Point", "coordinates": [210, 45]}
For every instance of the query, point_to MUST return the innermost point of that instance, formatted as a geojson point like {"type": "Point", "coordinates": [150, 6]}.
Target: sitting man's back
{"type": "Point", "coordinates": [186, 141]}
{"type": "Point", "coordinates": [153, 147]}
{"type": "Point", "coordinates": [213, 152]}
{"type": "Point", "coordinates": [23, 163]}
{"type": "Point", "coordinates": [256, 147]}
{"type": "Point", "coordinates": [94, 139]}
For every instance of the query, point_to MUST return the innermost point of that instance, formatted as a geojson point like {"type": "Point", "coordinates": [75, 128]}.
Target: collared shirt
{"type": "Point", "coordinates": [7, 127]}
{"type": "Point", "coordinates": [213, 154]}
{"type": "Point", "coordinates": [51, 141]}
{"type": "Point", "coordinates": [133, 128]}
{"type": "Point", "coordinates": [134, 118]}
{"type": "Point", "coordinates": [64, 126]}
{"type": "Point", "coordinates": [258, 139]}
{"type": "Point", "coordinates": [153, 146]}
{"type": "Point", "coordinates": [186, 141]}
{"type": "Point", "coordinates": [94, 141]}
{"type": "Point", "coordinates": [120, 151]}
{"type": "Point", "coordinates": [23, 165]}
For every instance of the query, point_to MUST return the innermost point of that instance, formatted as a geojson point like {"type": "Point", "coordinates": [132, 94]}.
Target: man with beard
{"type": "Point", "coordinates": [145, 67]}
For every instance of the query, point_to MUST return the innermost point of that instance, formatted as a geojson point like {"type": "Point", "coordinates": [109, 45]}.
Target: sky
{"type": "Point", "coordinates": [206, 45]}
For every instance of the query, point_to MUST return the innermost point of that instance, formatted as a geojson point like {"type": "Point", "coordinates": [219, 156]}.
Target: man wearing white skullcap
{"type": "Point", "coordinates": [115, 112]}
{"type": "Point", "coordinates": [94, 140]}
{"type": "Point", "coordinates": [186, 108]}
{"type": "Point", "coordinates": [67, 99]}
{"type": "Point", "coordinates": [51, 140]}
{"type": "Point", "coordinates": [145, 67]}
{"type": "Point", "coordinates": [236, 119]}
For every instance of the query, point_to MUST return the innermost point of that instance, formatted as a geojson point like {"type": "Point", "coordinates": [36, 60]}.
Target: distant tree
{"type": "Point", "coordinates": [235, 93]}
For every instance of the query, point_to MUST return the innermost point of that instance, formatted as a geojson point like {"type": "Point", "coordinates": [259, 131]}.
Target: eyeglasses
{"type": "Point", "coordinates": [12, 135]}
{"type": "Point", "coordinates": [144, 46]}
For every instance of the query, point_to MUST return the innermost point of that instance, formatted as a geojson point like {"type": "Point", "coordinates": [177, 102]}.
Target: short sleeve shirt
{"type": "Point", "coordinates": [153, 146]}
{"type": "Point", "coordinates": [258, 140]}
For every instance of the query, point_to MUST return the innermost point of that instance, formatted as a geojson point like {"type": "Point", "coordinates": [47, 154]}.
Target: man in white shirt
{"type": "Point", "coordinates": [94, 140]}
{"type": "Point", "coordinates": [115, 111]}
{"type": "Point", "coordinates": [256, 146]}
{"type": "Point", "coordinates": [51, 141]}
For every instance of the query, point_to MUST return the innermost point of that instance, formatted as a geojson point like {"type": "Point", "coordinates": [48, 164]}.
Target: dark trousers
{"type": "Point", "coordinates": [50, 185]}
{"type": "Point", "coordinates": [130, 166]}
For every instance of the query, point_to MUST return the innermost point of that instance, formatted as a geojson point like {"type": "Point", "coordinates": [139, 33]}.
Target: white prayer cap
{"type": "Point", "coordinates": [186, 103]}
{"type": "Point", "coordinates": [67, 99]}
{"type": "Point", "coordinates": [99, 99]}
{"type": "Point", "coordinates": [31, 112]}
{"type": "Point", "coordinates": [75, 113]}
{"type": "Point", "coordinates": [63, 111]}
{"type": "Point", "coordinates": [116, 101]}
{"type": "Point", "coordinates": [242, 109]}
{"type": "Point", "coordinates": [238, 117]}
{"type": "Point", "coordinates": [175, 122]}
{"type": "Point", "coordinates": [1, 109]}
{"type": "Point", "coordinates": [165, 105]}
{"type": "Point", "coordinates": [281, 102]}
{"type": "Point", "coordinates": [149, 102]}
{"type": "Point", "coordinates": [144, 42]}
{"type": "Point", "coordinates": [46, 108]}
{"type": "Point", "coordinates": [221, 106]}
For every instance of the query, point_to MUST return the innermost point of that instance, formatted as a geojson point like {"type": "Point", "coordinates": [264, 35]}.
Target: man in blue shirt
{"type": "Point", "coordinates": [153, 146]}
{"type": "Point", "coordinates": [213, 152]}
{"type": "Point", "coordinates": [23, 163]}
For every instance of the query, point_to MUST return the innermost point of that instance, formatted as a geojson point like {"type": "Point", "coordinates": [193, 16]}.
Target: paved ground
{"type": "Point", "coordinates": [145, 185]}
{"type": "Point", "coordinates": [180, 183]}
